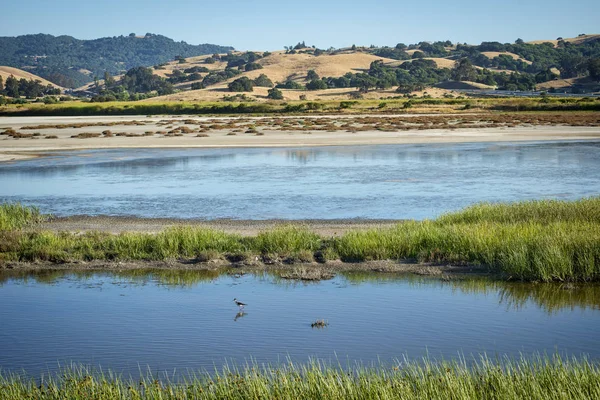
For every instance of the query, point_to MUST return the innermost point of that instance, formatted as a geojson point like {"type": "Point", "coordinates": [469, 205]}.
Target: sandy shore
{"type": "Point", "coordinates": [18, 149]}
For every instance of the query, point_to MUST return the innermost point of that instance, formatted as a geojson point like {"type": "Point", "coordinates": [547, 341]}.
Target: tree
{"type": "Point", "coordinates": [263, 81]}
{"type": "Point", "coordinates": [464, 70]}
{"type": "Point", "coordinates": [594, 68]}
{"type": "Point", "coordinates": [109, 81]}
{"type": "Point", "coordinates": [275, 94]}
{"type": "Point", "coordinates": [418, 54]}
{"type": "Point", "coordinates": [316, 84]}
{"type": "Point", "coordinates": [11, 87]}
{"type": "Point", "coordinates": [312, 75]}
{"type": "Point", "coordinates": [1, 84]}
{"type": "Point", "coordinates": [243, 84]}
{"type": "Point", "coordinates": [571, 65]}
{"type": "Point", "coordinates": [252, 66]}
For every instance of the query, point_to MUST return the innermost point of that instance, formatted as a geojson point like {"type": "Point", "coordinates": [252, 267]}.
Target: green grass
{"type": "Point", "coordinates": [535, 378]}
{"type": "Point", "coordinates": [16, 216]}
{"type": "Point", "coordinates": [541, 211]}
{"type": "Point", "coordinates": [534, 241]}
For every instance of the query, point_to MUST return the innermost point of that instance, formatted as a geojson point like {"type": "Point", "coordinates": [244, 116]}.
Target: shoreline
{"type": "Point", "coordinates": [236, 132]}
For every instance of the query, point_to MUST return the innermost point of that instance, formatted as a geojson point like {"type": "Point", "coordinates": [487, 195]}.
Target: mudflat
{"type": "Point", "coordinates": [27, 137]}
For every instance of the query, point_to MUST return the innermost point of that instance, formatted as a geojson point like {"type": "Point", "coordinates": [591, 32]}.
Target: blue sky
{"type": "Point", "coordinates": [270, 24]}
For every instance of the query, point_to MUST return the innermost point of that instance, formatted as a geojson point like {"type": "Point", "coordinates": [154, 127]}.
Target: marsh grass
{"type": "Point", "coordinates": [534, 241]}
{"type": "Point", "coordinates": [16, 216]}
{"type": "Point", "coordinates": [541, 211]}
{"type": "Point", "coordinates": [536, 378]}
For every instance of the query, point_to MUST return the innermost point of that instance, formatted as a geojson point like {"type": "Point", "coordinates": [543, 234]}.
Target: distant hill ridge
{"type": "Point", "coordinates": [70, 62]}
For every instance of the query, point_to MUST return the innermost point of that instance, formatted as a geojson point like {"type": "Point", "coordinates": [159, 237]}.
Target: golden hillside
{"type": "Point", "coordinates": [5, 72]}
{"type": "Point", "coordinates": [576, 40]}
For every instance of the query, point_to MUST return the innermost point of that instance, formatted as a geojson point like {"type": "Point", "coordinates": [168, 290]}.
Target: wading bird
{"type": "Point", "coordinates": [239, 303]}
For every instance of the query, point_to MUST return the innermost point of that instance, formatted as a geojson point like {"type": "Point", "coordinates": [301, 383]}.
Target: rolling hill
{"type": "Point", "coordinates": [71, 62]}
{"type": "Point", "coordinates": [5, 72]}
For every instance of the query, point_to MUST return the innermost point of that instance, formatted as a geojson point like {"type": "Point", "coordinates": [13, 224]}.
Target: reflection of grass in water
{"type": "Point", "coordinates": [181, 278]}
{"type": "Point", "coordinates": [551, 297]}
{"type": "Point", "coordinates": [537, 377]}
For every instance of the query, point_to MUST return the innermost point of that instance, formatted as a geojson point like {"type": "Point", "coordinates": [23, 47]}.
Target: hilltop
{"type": "Point", "coordinates": [71, 62]}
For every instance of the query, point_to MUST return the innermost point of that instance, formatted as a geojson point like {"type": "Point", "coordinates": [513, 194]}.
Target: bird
{"type": "Point", "coordinates": [239, 303]}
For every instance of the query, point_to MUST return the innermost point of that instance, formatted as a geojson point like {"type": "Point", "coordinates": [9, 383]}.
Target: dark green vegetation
{"type": "Point", "coordinates": [60, 59]}
{"type": "Point", "coordinates": [539, 378]}
{"type": "Point", "coordinates": [31, 89]}
{"type": "Point", "coordinates": [533, 241]}
{"type": "Point", "coordinates": [138, 83]}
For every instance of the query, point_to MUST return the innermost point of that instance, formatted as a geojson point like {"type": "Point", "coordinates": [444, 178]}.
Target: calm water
{"type": "Point", "coordinates": [176, 321]}
{"type": "Point", "coordinates": [387, 182]}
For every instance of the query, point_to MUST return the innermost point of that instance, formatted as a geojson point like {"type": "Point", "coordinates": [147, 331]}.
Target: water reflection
{"type": "Point", "coordinates": [185, 320]}
{"type": "Point", "coordinates": [239, 315]}
{"type": "Point", "coordinates": [549, 297]}
{"type": "Point", "coordinates": [384, 182]}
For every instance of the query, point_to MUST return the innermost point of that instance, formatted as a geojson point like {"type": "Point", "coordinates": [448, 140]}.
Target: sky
{"type": "Point", "coordinates": [272, 24]}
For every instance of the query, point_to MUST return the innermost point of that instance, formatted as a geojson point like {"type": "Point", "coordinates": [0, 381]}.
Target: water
{"type": "Point", "coordinates": [186, 320]}
{"type": "Point", "coordinates": [383, 182]}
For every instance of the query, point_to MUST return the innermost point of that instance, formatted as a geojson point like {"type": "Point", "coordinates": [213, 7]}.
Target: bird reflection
{"type": "Point", "coordinates": [240, 314]}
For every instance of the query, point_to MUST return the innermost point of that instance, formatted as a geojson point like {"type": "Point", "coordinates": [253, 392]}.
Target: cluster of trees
{"type": "Point", "coordinates": [245, 84]}
{"type": "Point", "coordinates": [138, 83]}
{"type": "Point", "coordinates": [30, 89]}
{"type": "Point", "coordinates": [62, 59]}
{"type": "Point", "coordinates": [571, 59]}
{"type": "Point", "coordinates": [187, 75]}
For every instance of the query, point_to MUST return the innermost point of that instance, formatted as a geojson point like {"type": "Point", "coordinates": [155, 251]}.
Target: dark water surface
{"type": "Point", "coordinates": [180, 321]}
{"type": "Point", "coordinates": [384, 182]}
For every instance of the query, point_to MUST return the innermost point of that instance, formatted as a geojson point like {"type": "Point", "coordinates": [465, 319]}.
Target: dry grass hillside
{"type": "Point", "coordinates": [5, 72]}
{"type": "Point", "coordinates": [493, 54]}
{"type": "Point", "coordinates": [577, 40]}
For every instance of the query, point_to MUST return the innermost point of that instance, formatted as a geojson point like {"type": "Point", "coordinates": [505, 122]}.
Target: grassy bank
{"type": "Point", "coordinates": [534, 241]}
{"type": "Point", "coordinates": [16, 216]}
{"type": "Point", "coordinates": [538, 378]}
{"type": "Point", "coordinates": [390, 105]}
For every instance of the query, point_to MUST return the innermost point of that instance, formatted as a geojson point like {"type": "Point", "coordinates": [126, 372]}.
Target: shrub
{"type": "Point", "coordinates": [242, 84]}
{"type": "Point", "coordinates": [275, 94]}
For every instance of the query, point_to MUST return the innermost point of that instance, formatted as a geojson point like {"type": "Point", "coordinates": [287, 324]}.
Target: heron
{"type": "Point", "coordinates": [239, 303]}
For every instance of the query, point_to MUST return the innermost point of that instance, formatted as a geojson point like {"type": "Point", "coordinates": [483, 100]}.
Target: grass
{"type": "Point", "coordinates": [533, 241]}
{"type": "Point", "coordinates": [535, 378]}
{"type": "Point", "coordinates": [16, 216]}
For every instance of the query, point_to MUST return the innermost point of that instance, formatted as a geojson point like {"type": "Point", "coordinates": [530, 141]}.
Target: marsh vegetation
{"type": "Point", "coordinates": [534, 241]}
{"type": "Point", "coordinates": [546, 377]}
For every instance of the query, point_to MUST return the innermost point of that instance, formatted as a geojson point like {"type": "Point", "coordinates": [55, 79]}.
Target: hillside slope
{"type": "Point", "coordinates": [71, 62]}
{"type": "Point", "coordinates": [5, 72]}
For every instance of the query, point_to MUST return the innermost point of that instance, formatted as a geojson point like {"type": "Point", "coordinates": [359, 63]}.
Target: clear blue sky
{"type": "Point", "coordinates": [271, 24]}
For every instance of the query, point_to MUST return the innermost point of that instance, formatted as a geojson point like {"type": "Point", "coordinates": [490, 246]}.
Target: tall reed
{"type": "Point", "coordinates": [531, 378]}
